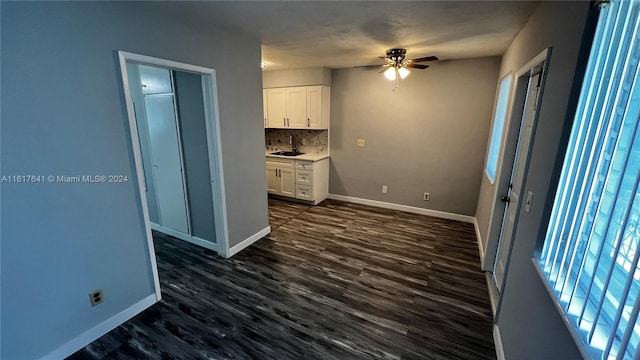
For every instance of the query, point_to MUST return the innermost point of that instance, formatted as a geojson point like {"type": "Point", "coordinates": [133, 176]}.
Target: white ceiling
{"type": "Point", "coordinates": [339, 34]}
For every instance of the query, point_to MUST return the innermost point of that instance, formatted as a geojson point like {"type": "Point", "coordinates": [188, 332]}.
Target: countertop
{"type": "Point", "coordinates": [307, 156]}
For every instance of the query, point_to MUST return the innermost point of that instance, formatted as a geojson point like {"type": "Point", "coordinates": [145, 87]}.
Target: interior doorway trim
{"type": "Point", "coordinates": [537, 66]}
{"type": "Point", "coordinates": [212, 124]}
{"type": "Point", "coordinates": [510, 136]}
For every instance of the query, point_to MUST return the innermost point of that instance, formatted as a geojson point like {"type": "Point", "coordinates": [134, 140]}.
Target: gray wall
{"type": "Point", "coordinates": [429, 135]}
{"type": "Point", "coordinates": [296, 77]}
{"type": "Point", "coordinates": [530, 325]}
{"type": "Point", "coordinates": [63, 113]}
{"type": "Point", "coordinates": [195, 153]}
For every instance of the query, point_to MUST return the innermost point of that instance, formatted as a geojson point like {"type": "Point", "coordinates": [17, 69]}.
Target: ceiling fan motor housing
{"type": "Point", "coordinates": [397, 56]}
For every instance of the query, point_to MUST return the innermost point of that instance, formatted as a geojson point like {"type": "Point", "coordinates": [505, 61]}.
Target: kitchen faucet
{"type": "Point", "coordinates": [292, 142]}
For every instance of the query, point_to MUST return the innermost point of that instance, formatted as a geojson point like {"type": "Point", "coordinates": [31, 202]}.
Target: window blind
{"type": "Point", "coordinates": [590, 256]}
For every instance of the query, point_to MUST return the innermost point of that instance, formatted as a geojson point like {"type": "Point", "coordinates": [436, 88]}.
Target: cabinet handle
{"type": "Point", "coordinates": [284, 121]}
{"type": "Point", "coordinates": [265, 121]}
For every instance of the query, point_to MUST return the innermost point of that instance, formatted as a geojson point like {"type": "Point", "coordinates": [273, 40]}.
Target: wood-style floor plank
{"type": "Point", "coordinates": [333, 281]}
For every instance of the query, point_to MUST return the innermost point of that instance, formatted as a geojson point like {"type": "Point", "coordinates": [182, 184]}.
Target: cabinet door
{"type": "Point", "coordinates": [276, 108]}
{"type": "Point", "coordinates": [274, 184]}
{"type": "Point", "coordinates": [297, 107]}
{"type": "Point", "coordinates": [264, 107]}
{"type": "Point", "coordinates": [314, 107]}
{"type": "Point", "coordinates": [288, 179]}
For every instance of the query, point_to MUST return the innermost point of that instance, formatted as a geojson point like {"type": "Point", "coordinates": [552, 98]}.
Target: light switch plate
{"type": "Point", "coordinates": [527, 205]}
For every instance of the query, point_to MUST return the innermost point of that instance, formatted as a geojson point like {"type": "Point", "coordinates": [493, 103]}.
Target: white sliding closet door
{"type": "Point", "coordinates": [166, 151]}
{"type": "Point", "coordinates": [167, 162]}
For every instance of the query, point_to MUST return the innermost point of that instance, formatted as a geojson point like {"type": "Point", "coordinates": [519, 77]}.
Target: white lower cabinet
{"type": "Point", "coordinates": [302, 179]}
{"type": "Point", "coordinates": [281, 177]}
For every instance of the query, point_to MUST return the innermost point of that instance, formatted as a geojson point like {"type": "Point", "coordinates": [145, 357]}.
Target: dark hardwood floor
{"type": "Point", "coordinates": [333, 281]}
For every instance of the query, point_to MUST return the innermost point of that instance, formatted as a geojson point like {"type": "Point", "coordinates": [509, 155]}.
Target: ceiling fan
{"type": "Point", "coordinates": [396, 64]}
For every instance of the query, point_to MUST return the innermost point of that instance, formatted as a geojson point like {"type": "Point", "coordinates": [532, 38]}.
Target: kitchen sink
{"type": "Point", "coordinates": [287, 153]}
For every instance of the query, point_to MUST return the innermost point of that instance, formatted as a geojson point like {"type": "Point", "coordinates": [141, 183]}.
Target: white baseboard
{"type": "Point", "coordinates": [493, 292]}
{"type": "Point", "coordinates": [104, 327]}
{"type": "Point", "coordinates": [248, 241]}
{"type": "Point", "coordinates": [411, 209]}
{"type": "Point", "coordinates": [192, 239]}
{"type": "Point", "coordinates": [480, 246]}
{"type": "Point", "coordinates": [497, 340]}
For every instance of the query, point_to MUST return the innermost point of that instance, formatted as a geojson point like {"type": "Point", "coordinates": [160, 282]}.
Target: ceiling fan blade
{"type": "Point", "coordinates": [417, 66]}
{"type": "Point", "coordinates": [426, 58]}
{"type": "Point", "coordinates": [384, 68]}
{"type": "Point", "coordinates": [369, 66]}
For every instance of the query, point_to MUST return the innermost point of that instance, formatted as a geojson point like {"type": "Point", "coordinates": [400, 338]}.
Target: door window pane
{"type": "Point", "coordinates": [498, 127]}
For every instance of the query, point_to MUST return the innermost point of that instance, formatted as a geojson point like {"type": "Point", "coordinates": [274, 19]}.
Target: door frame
{"type": "Point", "coordinates": [507, 154]}
{"type": "Point", "coordinates": [523, 74]}
{"type": "Point", "coordinates": [216, 170]}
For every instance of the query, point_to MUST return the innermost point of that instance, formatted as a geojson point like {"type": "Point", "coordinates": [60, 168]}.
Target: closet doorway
{"type": "Point", "coordinates": [172, 111]}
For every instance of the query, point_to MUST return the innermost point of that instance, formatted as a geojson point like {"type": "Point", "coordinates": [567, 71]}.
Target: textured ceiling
{"type": "Point", "coordinates": [339, 34]}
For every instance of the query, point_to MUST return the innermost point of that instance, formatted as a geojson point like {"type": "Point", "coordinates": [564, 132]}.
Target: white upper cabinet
{"type": "Point", "coordinates": [264, 106]}
{"type": "Point", "coordinates": [318, 108]}
{"type": "Point", "coordinates": [297, 107]}
{"type": "Point", "coordinates": [276, 100]}
{"type": "Point", "coordinates": [302, 107]}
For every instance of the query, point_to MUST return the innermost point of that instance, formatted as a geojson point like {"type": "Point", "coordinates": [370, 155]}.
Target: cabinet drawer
{"type": "Point", "coordinates": [304, 177]}
{"type": "Point", "coordinates": [280, 163]}
{"type": "Point", "coordinates": [304, 192]}
{"type": "Point", "coordinates": [304, 165]}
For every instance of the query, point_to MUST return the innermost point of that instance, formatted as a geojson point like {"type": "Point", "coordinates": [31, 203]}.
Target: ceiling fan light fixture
{"type": "Point", "coordinates": [403, 72]}
{"type": "Point", "coordinates": [396, 65]}
{"type": "Point", "coordinates": [390, 73]}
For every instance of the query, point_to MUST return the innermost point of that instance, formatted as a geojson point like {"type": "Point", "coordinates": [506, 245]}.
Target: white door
{"type": "Point", "coordinates": [264, 108]}
{"type": "Point", "coordinates": [274, 184]}
{"type": "Point", "coordinates": [288, 179]}
{"type": "Point", "coordinates": [314, 108]}
{"type": "Point", "coordinates": [167, 161]}
{"type": "Point", "coordinates": [276, 108]}
{"type": "Point", "coordinates": [514, 195]}
{"type": "Point", "coordinates": [297, 107]}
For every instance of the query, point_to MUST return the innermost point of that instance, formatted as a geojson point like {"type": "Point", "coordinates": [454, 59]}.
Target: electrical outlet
{"type": "Point", "coordinates": [426, 196]}
{"type": "Point", "coordinates": [384, 189]}
{"type": "Point", "coordinates": [360, 142]}
{"type": "Point", "coordinates": [96, 297]}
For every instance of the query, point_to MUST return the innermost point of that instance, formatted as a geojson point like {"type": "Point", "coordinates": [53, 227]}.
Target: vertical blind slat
{"type": "Point", "coordinates": [628, 282]}
{"type": "Point", "coordinates": [627, 334]}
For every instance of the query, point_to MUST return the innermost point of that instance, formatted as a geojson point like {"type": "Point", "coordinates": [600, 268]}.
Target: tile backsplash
{"type": "Point", "coordinates": [307, 141]}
